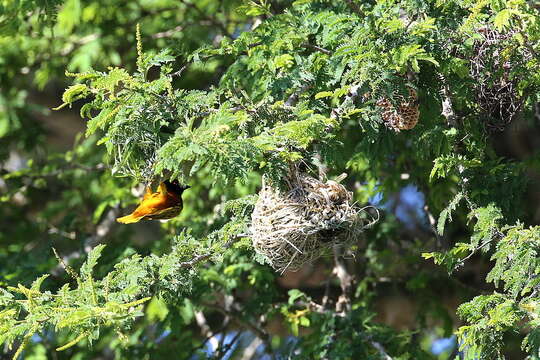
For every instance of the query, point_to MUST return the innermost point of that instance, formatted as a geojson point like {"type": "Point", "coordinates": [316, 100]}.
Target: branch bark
{"type": "Point", "coordinates": [447, 106]}
{"type": "Point", "coordinates": [251, 349]}
{"type": "Point", "coordinates": [317, 48]}
{"type": "Point", "coordinates": [205, 329]}
{"type": "Point", "coordinates": [381, 350]}
{"type": "Point", "coordinates": [346, 280]}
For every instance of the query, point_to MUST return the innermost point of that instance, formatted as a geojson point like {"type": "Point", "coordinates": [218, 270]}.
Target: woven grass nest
{"type": "Point", "coordinates": [296, 226]}
{"type": "Point", "coordinates": [494, 67]}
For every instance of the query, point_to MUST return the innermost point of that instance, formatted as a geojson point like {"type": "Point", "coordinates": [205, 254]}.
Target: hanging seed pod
{"type": "Point", "coordinates": [405, 116]}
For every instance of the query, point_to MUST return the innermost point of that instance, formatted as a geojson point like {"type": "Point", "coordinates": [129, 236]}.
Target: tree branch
{"type": "Point", "coordinates": [346, 280]}
{"type": "Point", "coordinates": [381, 350]}
{"type": "Point", "coordinates": [205, 329]}
{"type": "Point", "coordinates": [447, 107]}
{"type": "Point", "coordinates": [251, 349]}
{"type": "Point", "coordinates": [197, 259]}
{"type": "Point", "coordinates": [433, 224]}
{"type": "Point", "coordinates": [317, 48]}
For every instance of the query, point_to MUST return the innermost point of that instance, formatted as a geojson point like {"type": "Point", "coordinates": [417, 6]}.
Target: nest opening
{"type": "Point", "coordinates": [296, 226]}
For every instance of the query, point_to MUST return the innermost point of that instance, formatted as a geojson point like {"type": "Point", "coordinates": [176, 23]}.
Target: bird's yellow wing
{"type": "Point", "coordinates": [148, 193]}
{"type": "Point", "coordinates": [129, 219]}
{"type": "Point", "coordinates": [154, 205]}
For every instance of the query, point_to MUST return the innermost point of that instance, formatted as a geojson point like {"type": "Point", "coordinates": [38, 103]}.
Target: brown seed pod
{"type": "Point", "coordinates": [405, 117]}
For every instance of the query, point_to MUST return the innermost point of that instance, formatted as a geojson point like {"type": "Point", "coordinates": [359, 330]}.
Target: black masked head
{"type": "Point", "coordinates": [175, 187]}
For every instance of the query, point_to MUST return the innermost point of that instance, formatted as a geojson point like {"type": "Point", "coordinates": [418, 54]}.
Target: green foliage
{"type": "Point", "coordinates": [91, 303]}
{"type": "Point", "coordinates": [516, 264]}
{"type": "Point", "coordinates": [219, 94]}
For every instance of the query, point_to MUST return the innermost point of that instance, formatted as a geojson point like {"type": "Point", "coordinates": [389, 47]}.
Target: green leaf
{"type": "Point", "coordinates": [283, 61]}
{"type": "Point", "coordinates": [502, 19]}
{"type": "Point", "coordinates": [91, 261]}
{"type": "Point", "coordinates": [294, 295]}
{"type": "Point", "coordinates": [323, 94]}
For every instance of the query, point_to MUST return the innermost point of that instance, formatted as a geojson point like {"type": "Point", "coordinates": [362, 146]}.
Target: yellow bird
{"type": "Point", "coordinates": [165, 203]}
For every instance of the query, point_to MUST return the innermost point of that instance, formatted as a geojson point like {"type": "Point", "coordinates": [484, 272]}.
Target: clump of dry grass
{"type": "Point", "coordinates": [296, 226]}
{"type": "Point", "coordinates": [497, 67]}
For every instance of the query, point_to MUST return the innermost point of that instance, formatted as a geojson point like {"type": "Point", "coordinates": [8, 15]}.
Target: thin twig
{"type": "Point", "coordinates": [102, 230]}
{"type": "Point", "coordinates": [381, 350]}
{"type": "Point", "coordinates": [250, 350]}
{"type": "Point", "coordinates": [224, 349]}
{"type": "Point", "coordinates": [168, 33]}
{"type": "Point", "coordinates": [351, 96]}
{"type": "Point", "coordinates": [317, 48]}
{"type": "Point", "coordinates": [432, 225]}
{"type": "Point", "coordinates": [197, 259]}
{"type": "Point", "coordinates": [326, 295]}
{"type": "Point", "coordinates": [319, 309]}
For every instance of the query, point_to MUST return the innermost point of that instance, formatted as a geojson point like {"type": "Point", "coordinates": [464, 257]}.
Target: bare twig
{"type": "Point", "coordinates": [223, 349]}
{"type": "Point", "coordinates": [210, 18]}
{"type": "Point", "coordinates": [197, 259]}
{"type": "Point", "coordinates": [168, 33]}
{"type": "Point", "coordinates": [69, 166]}
{"type": "Point", "coordinates": [432, 225]}
{"type": "Point", "coordinates": [79, 42]}
{"type": "Point", "coordinates": [381, 350]}
{"type": "Point", "coordinates": [180, 28]}
{"type": "Point", "coordinates": [317, 48]}
{"type": "Point", "coordinates": [326, 296]}
{"type": "Point", "coordinates": [179, 72]}
{"type": "Point", "coordinates": [319, 309]}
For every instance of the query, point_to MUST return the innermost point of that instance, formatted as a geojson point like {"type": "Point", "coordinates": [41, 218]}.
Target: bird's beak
{"type": "Point", "coordinates": [185, 187]}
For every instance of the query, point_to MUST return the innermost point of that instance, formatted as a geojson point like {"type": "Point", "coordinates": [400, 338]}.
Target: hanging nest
{"type": "Point", "coordinates": [405, 115]}
{"type": "Point", "coordinates": [493, 66]}
{"type": "Point", "coordinates": [294, 227]}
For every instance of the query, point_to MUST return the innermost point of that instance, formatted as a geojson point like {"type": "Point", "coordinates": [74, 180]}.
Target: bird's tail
{"type": "Point", "coordinates": [129, 219]}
